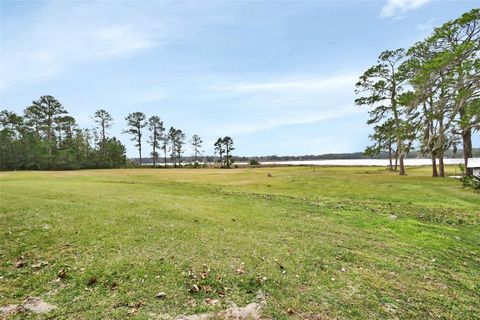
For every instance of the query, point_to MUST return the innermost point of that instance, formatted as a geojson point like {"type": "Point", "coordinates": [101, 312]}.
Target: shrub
{"type": "Point", "coordinates": [253, 162]}
{"type": "Point", "coordinates": [471, 182]}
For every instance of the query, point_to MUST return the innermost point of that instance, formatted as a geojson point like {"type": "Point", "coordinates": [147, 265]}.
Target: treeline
{"type": "Point", "coordinates": [426, 97]}
{"type": "Point", "coordinates": [47, 137]}
{"type": "Point", "coordinates": [451, 153]}
{"type": "Point", "coordinates": [172, 142]}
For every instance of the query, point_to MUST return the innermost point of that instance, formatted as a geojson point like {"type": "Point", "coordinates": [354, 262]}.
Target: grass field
{"type": "Point", "coordinates": [320, 243]}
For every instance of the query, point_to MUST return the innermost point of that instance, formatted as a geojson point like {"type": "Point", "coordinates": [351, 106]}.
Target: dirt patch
{"type": "Point", "coordinates": [250, 311]}
{"type": "Point", "coordinates": [35, 305]}
{"type": "Point", "coordinates": [233, 312]}
{"type": "Point", "coordinates": [10, 309]}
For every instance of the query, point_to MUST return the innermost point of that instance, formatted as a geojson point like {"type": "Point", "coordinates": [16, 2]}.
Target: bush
{"type": "Point", "coordinates": [253, 162]}
{"type": "Point", "coordinates": [471, 182]}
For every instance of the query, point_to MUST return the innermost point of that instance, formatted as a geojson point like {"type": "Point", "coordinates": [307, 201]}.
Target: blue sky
{"type": "Point", "coordinates": [277, 76]}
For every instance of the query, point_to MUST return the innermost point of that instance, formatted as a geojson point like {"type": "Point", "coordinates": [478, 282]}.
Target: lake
{"type": "Point", "coordinates": [355, 162]}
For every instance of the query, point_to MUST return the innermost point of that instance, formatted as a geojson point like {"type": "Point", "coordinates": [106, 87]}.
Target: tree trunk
{"type": "Point", "coordinates": [441, 165]}
{"type": "Point", "coordinates": [434, 166]}
{"type": "Point", "coordinates": [140, 154]}
{"type": "Point", "coordinates": [396, 159]}
{"type": "Point", "coordinates": [103, 138]}
{"type": "Point", "coordinates": [390, 157]}
{"type": "Point", "coordinates": [467, 150]}
{"type": "Point", "coordinates": [227, 164]}
{"type": "Point", "coordinates": [402, 166]}
{"type": "Point", "coordinates": [153, 156]}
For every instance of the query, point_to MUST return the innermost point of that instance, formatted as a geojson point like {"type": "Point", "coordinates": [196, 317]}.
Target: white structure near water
{"type": "Point", "coordinates": [474, 164]}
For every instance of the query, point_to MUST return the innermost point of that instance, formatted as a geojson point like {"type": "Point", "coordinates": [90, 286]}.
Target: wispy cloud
{"type": "Point", "coordinates": [54, 41]}
{"type": "Point", "coordinates": [296, 117]}
{"type": "Point", "coordinates": [315, 84]}
{"type": "Point", "coordinates": [275, 101]}
{"type": "Point", "coordinates": [395, 8]}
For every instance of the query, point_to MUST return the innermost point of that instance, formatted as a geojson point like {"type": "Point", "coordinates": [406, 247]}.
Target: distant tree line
{"type": "Point", "coordinates": [426, 97]}
{"type": "Point", "coordinates": [450, 153]}
{"type": "Point", "coordinates": [173, 142]}
{"type": "Point", "coordinates": [47, 137]}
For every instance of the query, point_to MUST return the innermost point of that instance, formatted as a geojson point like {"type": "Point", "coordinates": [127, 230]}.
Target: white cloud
{"type": "Point", "coordinates": [296, 117]}
{"type": "Point", "coordinates": [395, 8]}
{"type": "Point", "coordinates": [295, 84]}
{"type": "Point", "coordinates": [52, 41]}
{"type": "Point", "coordinates": [278, 101]}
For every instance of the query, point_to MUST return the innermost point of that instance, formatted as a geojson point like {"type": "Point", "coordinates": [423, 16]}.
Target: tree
{"type": "Point", "coordinates": [11, 128]}
{"type": "Point", "coordinates": [104, 120]}
{"type": "Point", "coordinates": [458, 45]}
{"type": "Point", "coordinates": [47, 137]}
{"type": "Point", "coordinates": [177, 139]}
{"type": "Point", "coordinates": [384, 137]}
{"type": "Point", "coordinates": [164, 147]}
{"type": "Point", "coordinates": [115, 151]}
{"type": "Point", "coordinates": [219, 149]}
{"type": "Point", "coordinates": [228, 144]}
{"type": "Point", "coordinates": [136, 122]}
{"type": "Point", "coordinates": [64, 126]}
{"type": "Point", "coordinates": [224, 146]}
{"type": "Point", "coordinates": [44, 113]}
{"type": "Point", "coordinates": [445, 73]}
{"type": "Point", "coordinates": [180, 142]}
{"type": "Point", "coordinates": [383, 85]}
{"type": "Point", "coordinates": [156, 128]}
{"type": "Point", "coordinates": [196, 146]}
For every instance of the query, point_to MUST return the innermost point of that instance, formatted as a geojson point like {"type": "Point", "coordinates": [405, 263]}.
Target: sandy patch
{"type": "Point", "coordinates": [35, 305]}
{"type": "Point", "coordinates": [233, 312]}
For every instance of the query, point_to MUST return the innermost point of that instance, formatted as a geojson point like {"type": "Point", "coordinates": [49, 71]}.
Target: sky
{"type": "Point", "coordinates": [276, 76]}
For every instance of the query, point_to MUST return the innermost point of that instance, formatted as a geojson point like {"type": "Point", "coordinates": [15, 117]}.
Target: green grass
{"type": "Point", "coordinates": [332, 243]}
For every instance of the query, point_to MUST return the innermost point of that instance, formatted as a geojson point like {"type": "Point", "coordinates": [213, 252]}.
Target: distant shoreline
{"type": "Point", "coordinates": [339, 162]}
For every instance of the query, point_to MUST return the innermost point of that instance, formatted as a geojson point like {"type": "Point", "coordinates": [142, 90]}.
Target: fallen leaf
{"type": "Point", "coordinates": [20, 263]}
{"type": "Point", "coordinates": [207, 289]}
{"type": "Point", "coordinates": [138, 304]}
{"type": "Point", "coordinates": [241, 269]}
{"type": "Point", "coordinates": [261, 279]}
{"type": "Point", "coordinates": [133, 312]}
{"type": "Point", "coordinates": [191, 274]}
{"type": "Point", "coordinates": [39, 265]}
{"type": "Point", "coordinates": [194, 288]}
{"type": "Point", "coordinates": [62, 274]}
{"type": "Point", "coordinates": [211, 301]}
{"type": "Point", "coordinates": [92, 281]}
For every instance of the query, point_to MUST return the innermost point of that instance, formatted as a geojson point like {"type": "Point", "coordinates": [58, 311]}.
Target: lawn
{"type": "Point", "coordinates": [314, 243]}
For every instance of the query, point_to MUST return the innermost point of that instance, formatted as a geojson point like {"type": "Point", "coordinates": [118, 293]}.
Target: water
{"type": "Point", "coordinates": [342, 162]}
{"type": "Point", "coordinates": [356, 162]}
